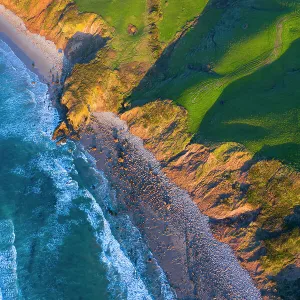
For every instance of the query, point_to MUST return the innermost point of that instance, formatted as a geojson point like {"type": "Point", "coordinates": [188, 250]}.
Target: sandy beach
{"type": "Point", "coordinates": [37, 53]}
{"type": "Point", "coordinates": [197, 266]}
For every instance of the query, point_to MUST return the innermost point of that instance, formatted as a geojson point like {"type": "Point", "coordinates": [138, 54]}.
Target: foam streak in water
{"type": "Point", "coordinates": [120, 268]}
{"type": "Point", "coordinates": [44, 223]}
{"type": "Point", "coordinates": [8, 264]}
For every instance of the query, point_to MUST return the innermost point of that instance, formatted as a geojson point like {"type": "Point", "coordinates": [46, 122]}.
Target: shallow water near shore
{"type": "Point", "coordinates": [59, 237]}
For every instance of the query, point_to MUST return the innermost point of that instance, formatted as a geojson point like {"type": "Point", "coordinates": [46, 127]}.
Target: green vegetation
{"type": "Point", "coordinates": [236, 74]}
{"type": "Point", "coordinates": [281, 252]}
{"type": "Point", "coordinates": [164, 127]}
{"type": "Point", "coordinates": [276, 190]}
{"type": "Point", "coordinates": [155, 19]}
{"type": "Point", "coordinates": [118, 13]}
{"type": "Point", "coordinates": [175, 14]}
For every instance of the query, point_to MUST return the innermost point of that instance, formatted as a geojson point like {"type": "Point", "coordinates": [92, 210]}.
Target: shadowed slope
{"type": "Point", "coordinates": [261, 111]}
{"type": "Point", "coordinates": [229, 42]}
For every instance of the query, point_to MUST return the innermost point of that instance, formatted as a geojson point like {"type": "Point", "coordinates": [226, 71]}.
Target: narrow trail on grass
{"type": "Point", "coordinates": [278, 41]}
{"type": "Point", "coordinates": [262, 60]}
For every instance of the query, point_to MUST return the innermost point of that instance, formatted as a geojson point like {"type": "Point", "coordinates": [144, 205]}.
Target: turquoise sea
{"type": "Point", "coordinates": [57, 239]}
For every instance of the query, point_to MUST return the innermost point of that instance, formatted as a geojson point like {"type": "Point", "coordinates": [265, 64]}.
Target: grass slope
{"type": "Point", "coordinates": [118, 13]}
{"type": "Point", "coordinates": [175, 14]}
{"type": "Point", "coordinates": [236, 74]}
{"type": "Point", "coordinates": [169, 18]}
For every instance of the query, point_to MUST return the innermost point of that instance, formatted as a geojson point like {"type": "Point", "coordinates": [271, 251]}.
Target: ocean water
{"type": "Point", "coordinates": [57, 237]}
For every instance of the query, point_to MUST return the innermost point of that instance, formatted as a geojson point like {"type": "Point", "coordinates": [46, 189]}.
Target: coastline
{"type": "Point", "coordinates": [31, 48]}
{"type": "Point", "coordinates": [178, 234]}
{"type": "Point", "coordinates": [122, 158]}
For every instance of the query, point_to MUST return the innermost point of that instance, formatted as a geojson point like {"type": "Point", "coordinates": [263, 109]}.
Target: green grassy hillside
{"type": "Point", "coordinates": [161, 19]}
{"type": "Point", "coordinates": [236, 73]}
{"type": "Point", "coordinates": [233, 65]}
{"type": "Point", "coordinates": [234, 70]}
{"type": "Point", "coordinates": [118, 13]}
{"type": "Point", "coordinates": [175, 14]}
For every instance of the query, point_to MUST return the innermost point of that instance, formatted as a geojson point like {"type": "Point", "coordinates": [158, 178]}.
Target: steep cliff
{"type": "Point", "coordinates": [207, 55]}
{"type": "Point", "coordinates": [58, 21]}
{"type": "Point", "coordinates": [253, 204]}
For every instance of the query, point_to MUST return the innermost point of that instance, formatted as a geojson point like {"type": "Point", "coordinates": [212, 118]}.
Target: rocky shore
{"type": "Point", "coordinates": [197, 265]}
{"type": "Point", "coordinates": [250, 202]}
{"type": "Point", "coordinates": [176, 232]}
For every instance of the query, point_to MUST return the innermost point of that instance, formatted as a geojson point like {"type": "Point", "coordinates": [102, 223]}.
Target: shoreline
{"type": "Point", "coordinates": [177, 233]}
{"type": "Point", "coordinates": [192, 259]}
{"type": "Point", "coordinates": [38, 54]}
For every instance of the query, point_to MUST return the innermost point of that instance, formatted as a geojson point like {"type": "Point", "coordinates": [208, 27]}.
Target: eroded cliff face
{"type": "Point", "coordinates": [58, 21]}
{"type": "Point", "coordinates": [253, 205]}
{"type": "Point", "coordinates": [164, 132]}
{"type": "Point", "coordinates": [99, 87]}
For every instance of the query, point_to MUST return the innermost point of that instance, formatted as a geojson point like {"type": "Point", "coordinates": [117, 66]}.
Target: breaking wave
{"type": "Point", "coordinates": [47, 205]}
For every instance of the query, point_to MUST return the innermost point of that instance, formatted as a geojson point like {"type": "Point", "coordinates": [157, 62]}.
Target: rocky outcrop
{"type": "Point", "coordinates": [99, 87]}
{"type": "Point", "coordinates": [58, 21]}
{"type": "Point", "coordinates": [108, 80]}
{"type": "Point", "coordinates": [252, 205]}
{"type": "Point", "coordinates": [164, 132]}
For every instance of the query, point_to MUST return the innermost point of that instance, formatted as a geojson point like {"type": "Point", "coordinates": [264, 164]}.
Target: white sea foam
{"type": "Point", "coordinates": [134, 241]}
{"type": "Point", "coordinates": [19, 171]}
{"type": "Point", "coordinates": [22, 96]}
{"type": "Point", "coordinates": [120, 271]}
{"type": "Point", "coordinates": [133, 238]}
{"type": "Point", "coordinates": [7, 235]}
{"type": "Point", "coordinates": [120, 268]}
{"type": "Point", "coordinates": [58, 168]}
{"type": "Point", "coordinates": [8, 263]}
{"type": "Point", "coordinates": [35, 124]}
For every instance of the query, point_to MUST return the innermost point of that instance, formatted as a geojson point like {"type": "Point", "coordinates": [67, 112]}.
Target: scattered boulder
{"type": "Point", "coordinates": [132, 29]}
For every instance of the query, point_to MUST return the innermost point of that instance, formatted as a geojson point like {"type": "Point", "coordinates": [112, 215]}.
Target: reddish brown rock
{"type": "Point", "coordinates": [132, 29]}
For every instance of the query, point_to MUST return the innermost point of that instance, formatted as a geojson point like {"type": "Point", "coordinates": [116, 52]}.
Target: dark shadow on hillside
{"type": "Point", "coordinates": [288, 282]}
{"type": "Point", "coordinates": [229, 119]}
{"type": "Point", "coordinates": [83, 47]}
{"type": "Point", "coordinates": [80, 49]}
{"type": "Point", "coordinates": [263, 105]}
{"type": "Point", "coordinates": [288, 153]}
{"type": "Point", "coordinates": [182, 65]}
{"type": "Point", "coordinates": [153, 85]}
